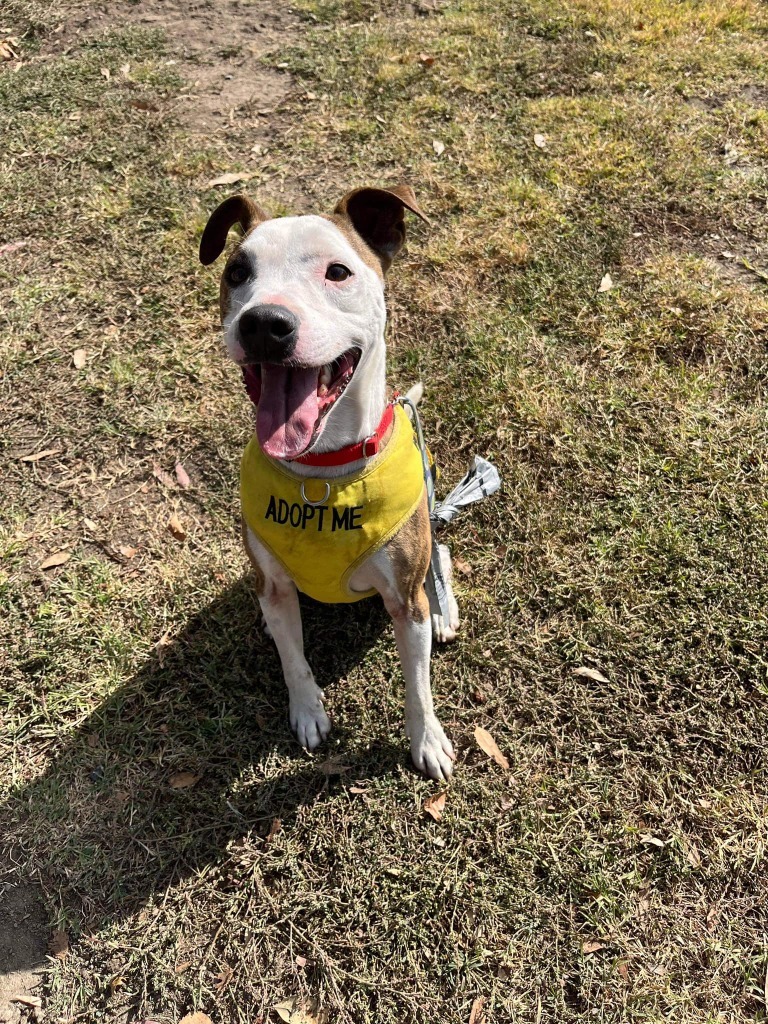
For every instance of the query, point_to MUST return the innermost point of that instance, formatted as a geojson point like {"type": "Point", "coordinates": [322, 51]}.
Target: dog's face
{"type": "Point", "coordinates": [302, 303]}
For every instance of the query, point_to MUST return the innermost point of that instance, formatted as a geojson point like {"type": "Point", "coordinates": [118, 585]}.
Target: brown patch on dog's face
{"type": "Point", "coordinates": [409, 550]}
{"type": "Point", "coordinates": [367, 255]}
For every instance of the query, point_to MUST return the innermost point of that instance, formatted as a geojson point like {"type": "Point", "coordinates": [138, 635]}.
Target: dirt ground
{"type": "Point", "coordinates": [24, 936]}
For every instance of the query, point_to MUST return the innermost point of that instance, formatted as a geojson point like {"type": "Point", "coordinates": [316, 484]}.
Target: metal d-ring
{"type": "Point", "coordinates": [322, 501]}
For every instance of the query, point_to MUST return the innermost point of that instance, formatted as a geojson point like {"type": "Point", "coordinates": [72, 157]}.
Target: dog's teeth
{"type": "Point", "coordinates": [322, 390]}
{"type": "Point", "coordinates": [325, 376]}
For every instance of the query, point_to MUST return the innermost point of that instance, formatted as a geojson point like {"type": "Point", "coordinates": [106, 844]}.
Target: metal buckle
{"type": "Point", "coordinates": [316, 504]}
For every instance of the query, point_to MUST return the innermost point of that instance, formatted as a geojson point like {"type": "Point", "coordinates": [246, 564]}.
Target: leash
{"type": "Point", "coordinates": [481, 480]}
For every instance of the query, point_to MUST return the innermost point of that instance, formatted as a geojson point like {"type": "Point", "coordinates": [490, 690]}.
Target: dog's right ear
{"type": "Point", "coordinates": [235, 210]}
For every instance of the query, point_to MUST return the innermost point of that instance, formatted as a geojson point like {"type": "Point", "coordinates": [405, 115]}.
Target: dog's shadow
{"type": "Point", "coordinates": [193, 751]}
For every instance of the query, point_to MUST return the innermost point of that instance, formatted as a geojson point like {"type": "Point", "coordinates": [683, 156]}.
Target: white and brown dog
{"type": "Point", "coordinates": [302, 305]}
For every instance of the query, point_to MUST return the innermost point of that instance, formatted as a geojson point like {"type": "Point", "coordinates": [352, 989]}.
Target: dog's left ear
{"type": "Point", "coordinates": [378, 216]}
{"type": "Point", "coordinates": [235, 210]}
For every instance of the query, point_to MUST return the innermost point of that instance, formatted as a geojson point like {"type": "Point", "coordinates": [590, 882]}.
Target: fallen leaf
{"type": "Point", "coordinates": [463, 567]}
{"type": "Point", "coordinates": [228, 179]}
{"type": "Point", "coordinates": [425, 60]}
{"type": "Point", "coordinates": [540, 141]}
{"type": "Point", "coordinates": [196, 1018]}
{"type": "Point", "coordinates": [301, 961]}
{"type": "Point", "coordinates": [434, 805]}
{"type": "Point", "coordinates": [58, 944]}
{"type": "Point", "coordinates": [105, 73]}
{"type": "Point", "coordinates": [40, 455]}
{"type": "Point", "coordinates": [623, 970]}
{"type": "Point", "coordinates": [223, 979]}
{"type": "Point", "coordinates": [126, 551]}
{"type": "Point", "coordinates": [590, 673]}
{"type": "Point", "coordinates": [476, 1013]}
{"type": "Point", "coordinates": [174, 525]}
{"type": "Point", "coordinates": [357, 790]}
{"type": "Point", "coordinates": [183, 780]}
{"type": "Point", "coordinates": [10, 247]}
{"type": "Point", "coordinates": [652, 840]}
{"type": "Point", "coordinates": [439, 147]}
{"type": "Point", "coordinates": [592, 946]}
{"type": "Point", "coordinates": [26, 1000]}
{"type": "Point", "coordinates": [165, 478]}
{"type": "Point", "coordinates": [712, 917]}
{"type": "Point", "coordinates": [488, 745]}
{"type": "Point", "coordinates": [180, 968]}
{"type": "Point", "coordinates": [8, 48]}
{"type": "Point", "coordinates": [116, 983]}
{"type": "Point", "coordinates": [507, 804]}
{"type": "Point", "coordinates": [182, 477]}
{"type": "Point", "coordinates": [294, 1012]}
{"type": "Point", "coordinates": [78, 358]}
{"type": "Point", "coordinates": [606, 283]}
{"type": "Point", "coordinates": [59, 558]}
{"type": "Point", "coordinates": [333, 766]}
{"type": "Point", "coordinates": [139, 104]}
{"type": "Point", "coordinates": [274, 828]}
{"type": "Point", "coordinates": [693, 857]}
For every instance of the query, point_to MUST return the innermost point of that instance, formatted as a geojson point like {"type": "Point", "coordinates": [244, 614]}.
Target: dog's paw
{"type": "Point", "coordinates": [309, 721]}
{"type": "Point", "coordinates": [445, 632]}
{"type": "Point", "coordinates": [431, 750]}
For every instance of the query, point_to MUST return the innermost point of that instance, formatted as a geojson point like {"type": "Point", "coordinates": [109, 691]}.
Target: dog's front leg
{"type": "Point", "coordinates": [431, 749]}
{"type": "Point", "coordinates": [280, 606]}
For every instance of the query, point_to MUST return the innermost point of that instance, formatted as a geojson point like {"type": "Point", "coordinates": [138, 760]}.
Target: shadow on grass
{"type": "Point", "coordinates": [104, 828]}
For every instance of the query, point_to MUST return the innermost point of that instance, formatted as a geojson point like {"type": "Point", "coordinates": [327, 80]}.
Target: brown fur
{"type": "Point", "coordinates": [409, 550]}
{"type": "Point", "coordinates": [368, 256]}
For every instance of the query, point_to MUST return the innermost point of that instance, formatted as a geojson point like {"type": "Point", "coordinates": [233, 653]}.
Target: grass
{"type": "Point", "coordinates": [617, 870]}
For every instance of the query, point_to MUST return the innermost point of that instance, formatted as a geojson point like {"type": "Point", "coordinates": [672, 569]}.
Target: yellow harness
{"type": "Point", "coordinates": [321, 530]}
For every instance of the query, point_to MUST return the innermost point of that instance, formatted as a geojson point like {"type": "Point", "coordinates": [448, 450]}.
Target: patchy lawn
{"type": "Point", "coordinates": [589, 310]}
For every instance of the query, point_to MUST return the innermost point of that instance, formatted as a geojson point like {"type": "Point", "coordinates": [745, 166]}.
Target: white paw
{"type": "Point", "coordinates": [309, 721]}
{"type": "Point", "coordinates": [442, 631]}
{"type": "Point", "coordinates": [431, 750]}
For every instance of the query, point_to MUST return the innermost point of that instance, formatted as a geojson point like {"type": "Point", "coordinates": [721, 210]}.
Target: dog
{"type": "Point", "coordinates": [332, 483]}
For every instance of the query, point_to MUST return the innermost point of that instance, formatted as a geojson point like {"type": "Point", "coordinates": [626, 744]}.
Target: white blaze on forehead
{"type": "Point", "coordinates": [290, 256]}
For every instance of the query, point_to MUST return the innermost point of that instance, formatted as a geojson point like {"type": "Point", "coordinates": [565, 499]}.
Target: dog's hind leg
{"type": "Point", "coordinates": [444, 632]}
{"type": "Point", "coordinates": [279, 603]}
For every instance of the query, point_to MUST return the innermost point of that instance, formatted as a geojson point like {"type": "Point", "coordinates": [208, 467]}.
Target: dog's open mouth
{"type": "Point", "coordinates": [293, 401]}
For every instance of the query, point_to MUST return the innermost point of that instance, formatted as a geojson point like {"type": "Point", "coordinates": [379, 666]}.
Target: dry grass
{"type": "Point", "coordinates": [617, 871]}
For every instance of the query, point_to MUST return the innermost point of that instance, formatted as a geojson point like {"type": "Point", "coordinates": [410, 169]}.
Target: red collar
{"type": "Point", "coordinates": [364, 449]}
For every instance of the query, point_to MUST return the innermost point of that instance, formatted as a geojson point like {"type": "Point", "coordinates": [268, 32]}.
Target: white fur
{"type": "Point", "coordinates": [289, 259]}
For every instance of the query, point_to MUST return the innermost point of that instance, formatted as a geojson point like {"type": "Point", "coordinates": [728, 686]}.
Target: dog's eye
{"type": "Point", "coordinates": [337, 272]}
{"type": "Point", "coordinates": [237, 273]}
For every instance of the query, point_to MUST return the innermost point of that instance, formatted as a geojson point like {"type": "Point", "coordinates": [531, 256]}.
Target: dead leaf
{"type": "Point", "coordinates": [165, 478]}
{"type": "Point", "coordinates": [434, 805]}
{"type": "Point", "coordinates": [507, 804]}
{"type": "Point", "coordinates": [180, 968]}
{"type": "Point", "coordinates": [463, 567]}
{"type": "Point", "coordinates": [174, 525]}
{"type": "Point", "coordinates": [228, 179]}
{"type": "Point", "coordinates": [223, 979]}
{"type": "Point", "coordinates": [439, 147]}
{"type": "Point", "coordinates": [540, 141]}
{"type": "Point", "coordinates": [357, 790]}
{"type": "Point", "coordinates": [590, 673]}
{"type": "Point", "coordinates": [693, 857]}
{"type": "Point", "coordinates": [182, 477]}
{"type": "Point", "coordinates": [40, 455]}
{"type": "Point", "coordinates": [59, 558]}
{"type": "Point", "coordinates": [301, 961]}
{"type": "Point", "coordinates": [79, 358]}
{"type": "Point", "coordinates": [58, 944]}
{"type": "Point", "coordinates": [488, 745]}
{"type": "Point", "coordinates": [294, 1012]}
{"type": "Point", "coordinates": [126, 551]}
{"type": "Point", "coordinates": [183, 780]}
{"type": "Point", "coordinates": [425, 60]}
{"type": "Point", "coordinates": [105, 73]}
{"type": "Point", "coordinates": [652, 840]}
{"type": "Point", "coordinates": [139, 104]}
{"type": "Point", "coordinates": [476, 1013]}
{"type": "Point", "coordinates": [196, 1018]}
{"type": "Point", "coordinates": [592, 946]}
{"type": "Point", "coordinates": [8, 48]}
{"type": "Point", "coordinates": [274, 828]}
{"type": "Point", "coordinates": [116, 983]}
{"type": "Point", "coordinates": [10, 247]}
{"type": "Point", "coordinates": [333, 766]}
{"type": "Point", "coordinates": [26, 1000]}
{"type": "Point", "coordinates": [623, 970]}
{"type": "Point", "coordinates": [712, 917]}
{"type": "Point", "coordinates": [606, 283]}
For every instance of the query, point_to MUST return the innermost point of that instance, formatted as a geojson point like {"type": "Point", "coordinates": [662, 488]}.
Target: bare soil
{"type": "Point", "coordinates": [23, 938]}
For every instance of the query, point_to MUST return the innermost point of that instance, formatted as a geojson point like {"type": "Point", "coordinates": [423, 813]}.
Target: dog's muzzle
{"type": "Point", "coordinates": [268, 334]}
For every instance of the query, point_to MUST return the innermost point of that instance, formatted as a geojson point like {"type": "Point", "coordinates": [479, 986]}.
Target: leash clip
{"type": "Point", "coordinates": [316, 504]}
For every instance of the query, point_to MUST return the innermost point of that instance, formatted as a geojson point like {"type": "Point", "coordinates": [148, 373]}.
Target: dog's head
{"type": "Point", "coordinates": [302, 303]}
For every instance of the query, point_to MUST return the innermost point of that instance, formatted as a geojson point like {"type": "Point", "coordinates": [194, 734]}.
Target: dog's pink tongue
{"type": "Point", "coordinates": [287, 412]}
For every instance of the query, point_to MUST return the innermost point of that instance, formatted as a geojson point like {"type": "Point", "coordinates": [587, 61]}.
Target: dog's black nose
{"type": "Point", "coordinates": [268, 334]}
